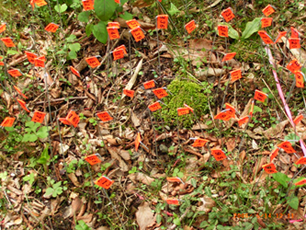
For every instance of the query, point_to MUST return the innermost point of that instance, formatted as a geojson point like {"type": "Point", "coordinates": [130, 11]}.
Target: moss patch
{"type": "Point", "coordinates": [187, 92]}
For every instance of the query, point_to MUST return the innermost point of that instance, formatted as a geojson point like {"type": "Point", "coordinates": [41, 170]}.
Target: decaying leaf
{"type": "Point", "coordinates": [144, 216]}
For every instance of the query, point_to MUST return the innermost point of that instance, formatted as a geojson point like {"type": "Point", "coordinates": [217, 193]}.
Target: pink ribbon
{"type": "Point", "coordinates": [281, 95]}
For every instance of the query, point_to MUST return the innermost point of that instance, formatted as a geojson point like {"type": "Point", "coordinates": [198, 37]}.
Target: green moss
{"type": "Point", "coordinates": [187, 92]}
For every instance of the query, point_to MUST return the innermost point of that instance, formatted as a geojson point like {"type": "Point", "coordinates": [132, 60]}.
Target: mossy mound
{"type": "Point", "coordinates": [187, 92]}
{"type": "Point", "coordinates": [248, 51]}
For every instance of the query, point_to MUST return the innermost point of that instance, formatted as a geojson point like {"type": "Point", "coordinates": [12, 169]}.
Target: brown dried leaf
{"type": "Point", "coordinates": [200, 43]}
{"type": "Point", "coordinates": [259, 164]}
{"type": "Point", "coordinates": [144, 216]}
{"type": "Point", "coordinates": [231, 144]}
{"type": "Point", "coordinates": [140, 177]}
{"type": "Point", "coordinates": [276, 131]}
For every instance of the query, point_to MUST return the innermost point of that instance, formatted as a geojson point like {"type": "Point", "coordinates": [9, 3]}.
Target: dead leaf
{"type": "Point", "coordinates": [144, 216]}
{"type": "Point", "coordinates": [276, 131]}
{"type": "Point", "coordinates": [74, 179]}
{"type": "Point", "coordinates": [207, 204]}
{"type": "Point", "coordinates": [114, 154]}
{"type": "Point", "coordinates": [140, 177]}
{"type": "Point", "coordinates": [231, 144]}
{"type": "Point", "coordinates": [200, 43]}
{"type": "Point", "coordinates": [259, 164]}
{"type": "Point", "coordinates": [135, 120]}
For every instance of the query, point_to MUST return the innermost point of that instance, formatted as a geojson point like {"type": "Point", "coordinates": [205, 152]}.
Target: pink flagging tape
{"type": "Point", "coordinates": [279, 88]}
{"type": "Point", "coordinates": [281, 95]}
{"type": "Point", "coordinates": [303, 146]}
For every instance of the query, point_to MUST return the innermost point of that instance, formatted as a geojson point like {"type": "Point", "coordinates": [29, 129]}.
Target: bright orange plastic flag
{"type": "Point", "coordinates": [162, 21]}
{"type": "Point", "coordinates": [294, 66]}
{"type": "Point", "coordinates": [129, 93]}
{"type": "Point", "coordinates": [93, 159]}
{"type": "Point", "coordinates": [155, 106]}
{"type": "Point", "coordinates": [301, 161]}
{"type": "Point", "coordinates": [38, 117]}
{"type": "Point", "coordinates": [8, 122]}
{"type": "Point", "coordinates": [294, 43]}
{"type": "Point", "coordinates": [160, 93]}
{"type": "Point", "coordinates": [228, 14]}
{"type": "Point", "coordinates": [298, 119]}
{"type": "Point", "coordinates": [299, 79]}
{"type": "Point", "coordinates": [231, 109]}
{"type": "Point", "coordinates": [113, 33]}
{"type": "Point", "coordinates": [93, 62]}
{"type": "Point", "coordinates": [224, 115]}
{"type": "Point", "coordinates": [23, 105]}
{"type": "Point", "coordinates": [113, 24]}
{"type": "Point", "coordinates": [74, 71]}
{"type": "Point", "coordinates": [104, 182]}
{"type": "Point", "coordinates": [182, 111]}
{"type": "Point", "coordinates": [14, 72]}
{"type": "Point", "coordinates": [223, 31]}
{"type": "Point", "coordinates": [64, 121]}
{"type": "Point", "coordinates": [104, 116]}
{"type": "Point", "coordinates": [172, 201]}
{"type": "Point", "coordinates": [137, 141]}
{"type": "Point", "coordinates": [243, 120]}
{"type": "Point", "coordinates": [31, 57]}
{"type": "Point", "coordinates": [118, 54]}
{"type": "Point", "coordinates": [294, 33]}
{"type": "Point", "coordinates": [2, 28]}
{"type": "Point", "coordinates": [280, 35]}
{"type": "Point", "coordinates": [301, 182]}
{"type": "Point", "coordinates": [20, 92]}
{"type": "Point", "coordinates": [266, 22]}
{"type": "Point", "coordinates": [40, 61]}
{"type": "Point", "coordinates": [88, 5]}
{"type": "Point", "coordinates": [122, 47]}
{"type": "Point", "coordinates": [51, 27]}
{"type": "Point", "coordinates": [40, 3]}
{"type": "Point", "coordinates": [149, 84]}
{"type": "Point", "coordinates": [174, 179]}
{"type": "Point", "coordinates": [269, 168]}
{"type": "Point", "coordinates": [218, 154]}
{"type": "Point", "coordinates": [8, 42]}
{"type": "Point", "coordinates": [133, 24]}
{"type": "Point", "coordinates": [199, 142]}
{"type": "Point", "coordinates": [137, 34]}
{"type": "Point", "coordinates": [268, 10]}
{"type": "Point", "coordinates": [273, 154]}
{"type": "Point", "coordinates": [260, 96]}
{"type": "Point", "coordinates": [190, 26]}
{"type": "Point", "coordinates": [265, 37]}
{"type": "Point", "coordinates": [73, 118]}
{"type": "Point", "coordinates": [229, 56]}
{"type": "Point", "coordinates": [235, 75]}
{"type": "Point", "coordinates": [190, 109]}
{"type": "Point", "coordinates": [287, 147]}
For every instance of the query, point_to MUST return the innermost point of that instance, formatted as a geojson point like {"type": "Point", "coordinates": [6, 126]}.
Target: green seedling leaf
{"type": "Point", "coordinates": [74, 47]}
{"type": "Point", "coordinates": [232, 33]}
{"type": "Point", "coordinates": [29, 137]}
{"type": "Point", "coordinates": [81, 225]}
{"type": "Point", "coordinates": [72, 55]}
{"type": "Point", "coordinates": [105, 9]}
{"type": "Point", "coordinates": [60, 8]}
{"type": "Point", "coordinates": [293, 202]}
{"type": "Point", "coordinates": [84, 16]}
{"type": "Point", "coordinates": [12, 52]}
{"type": "Point", "coordinates": [158, 218]}
{"type": "Point", "coordinates": [44, 157]}
{"type": "Point", "coordinates": [177, 221]}
{"type": "Point", "coordinates": [30, 178]}
{"type": "Point", "coordinates": [173, 10]}
{"type": "Point", "coordinates": [292, 137]}
{"type": "Point", "coordinates": [42, 132]}
{"type": "Point", "coordinates": [88, 29]}
{"type": "Point", "coordinates": [126, 16]}
{"type": "Point", "coordinates": [71, 38]}
{"type": "Point", "coordinates": [257, 109]}
{"type": "Point", "coordinates": [99, 31]}
{"type": "Point", "coordinates": [193, 182]}
{"type": "Point", "coordinates": [251, 28]}
{"type": "Point", "coordinates": [281, 178]}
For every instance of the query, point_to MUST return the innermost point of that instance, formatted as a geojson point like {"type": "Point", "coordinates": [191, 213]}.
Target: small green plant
{"type": "Point", "coordinates": [82, 225]}
{"type": "Point", "coordinates": [55, 189]}
{"type": "Point", "coordinates": [32, 134]}
{"type": "Point", "coordinates": [93, 121]}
